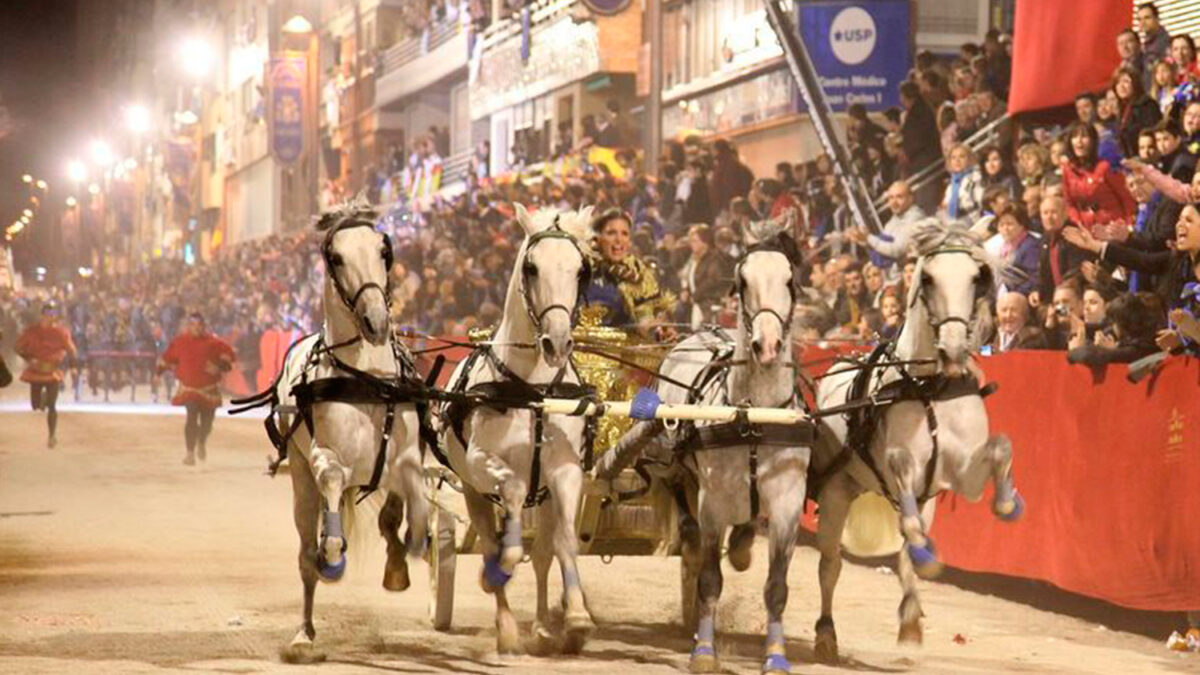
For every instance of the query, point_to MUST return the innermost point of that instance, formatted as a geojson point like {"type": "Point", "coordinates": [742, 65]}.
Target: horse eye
{"type": "Point", "coordinates": [335, 259]}
{"type": "Point", "coordinates": [926, 280]}
{"type": "Point", "coordinates": [530, 270]}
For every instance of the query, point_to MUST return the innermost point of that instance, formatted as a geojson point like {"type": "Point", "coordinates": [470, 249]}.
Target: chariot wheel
{"type": "Point", "coordinates": [443, 556]}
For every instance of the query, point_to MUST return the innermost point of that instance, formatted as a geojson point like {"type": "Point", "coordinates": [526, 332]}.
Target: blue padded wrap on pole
{"type": "Point", "coordinates": [645, 404]}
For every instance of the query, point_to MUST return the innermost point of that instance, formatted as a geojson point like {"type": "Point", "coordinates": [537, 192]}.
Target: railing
{"type": "Point", "coordinates": [456, 167]}
{"type": "Point", "coordinates": [410, 50]}
{"type": "Point", "coordinates": [504, 28]}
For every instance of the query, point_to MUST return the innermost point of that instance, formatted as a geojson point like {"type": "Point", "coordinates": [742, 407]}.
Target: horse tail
{"type": "Point", "coordinates": [872, 527]}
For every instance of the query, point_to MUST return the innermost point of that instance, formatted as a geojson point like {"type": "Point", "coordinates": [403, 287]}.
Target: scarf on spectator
{"type": "Point", "coordinates": [956, 180]}
{"type": "Point", "coordinates": [1008, 250]}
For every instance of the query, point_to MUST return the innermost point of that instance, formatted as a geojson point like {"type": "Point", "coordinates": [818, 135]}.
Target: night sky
{"type": "Point", "coordinates": [41, 86]}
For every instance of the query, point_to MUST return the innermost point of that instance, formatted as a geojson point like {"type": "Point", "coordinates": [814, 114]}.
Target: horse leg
{"type": "Point", "coordinates": [306, 508]}
{"type": "Point", "coordinates": [331, 482]}
{"type": "Point", "coordinates": [917, 543]}
{"type": "Point", "coordinates": [493, 578]}
{"type": "Point", "coordinates": [910, 606]}
{"type": "Point", "coordinates": [566, 484]}
{"type": "Point", "coordinates": [411, 484]}
{"type": "Point", "coordinates": [704, 651]}
{"type": "Point", "coordinates": [783, 490]}
{"type": "Point", "coordinates": [395, 571]}
{"type": "Point", "coordinates": [542, 555]}
{"type": "Point", "coordinates": [835, 501]}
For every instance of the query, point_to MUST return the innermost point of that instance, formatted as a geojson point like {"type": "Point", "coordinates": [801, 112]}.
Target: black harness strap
{"type": "Point", "coordinates": [381, 456]}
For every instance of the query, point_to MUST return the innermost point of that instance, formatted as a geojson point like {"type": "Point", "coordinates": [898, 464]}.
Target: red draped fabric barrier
{"type": "Point", "coordinates": [1110, 472]}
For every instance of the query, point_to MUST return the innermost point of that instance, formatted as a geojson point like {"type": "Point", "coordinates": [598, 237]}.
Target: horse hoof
{"type": "Point", "coordinates": [396, 579]}
{"type": "Point", "coordinates": [300, 653]}
{"type": "Point", "coordinates": [825, 648]}
{"type": "Point", "coordinates": [577, 627]}
{"type": "Point", "coordinates": [1012, 511]}
{"type": "Point", "coordinates": [704, 659]}
{"type": "Point", "coordinates": [911, 634]}
{"type": "Point", "coordinates": [331, 572]}
{"type": "Point", "coordinates": [925, 560]}
{"type": "Point", "coordinates": [544, 642]}
{"type": "Point", "coordinates": [776, 664]}
{"type": "Point", "coordinates": [741, 545]}
{"type": "Point", "coordinates": [508, 636]}
{"type": "Point", "coordinates": [493, 576]}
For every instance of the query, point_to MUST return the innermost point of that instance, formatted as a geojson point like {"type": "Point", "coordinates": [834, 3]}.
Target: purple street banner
{"type": "Point", "coordinates": [288, 75]}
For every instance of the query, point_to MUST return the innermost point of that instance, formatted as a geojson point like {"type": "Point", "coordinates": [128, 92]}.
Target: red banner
{"type": "Point", "coordinates": [1061, 48]}
{"type": "Point", "coordinates": [1110, 472]}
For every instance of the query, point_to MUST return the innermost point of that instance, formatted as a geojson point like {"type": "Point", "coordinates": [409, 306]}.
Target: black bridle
{"type": "Point", "coordinates": [333, 261]}
{"type": "Point", "coordinates": [739, 290]}
{"type": "Point", "coordinates": [983, 285]}
{"type": "Point", "coordinates": [529, 270]}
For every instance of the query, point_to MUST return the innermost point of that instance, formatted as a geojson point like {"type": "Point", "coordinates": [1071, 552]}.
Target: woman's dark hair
{"type": "Point", "coordinates": [1011, 210]}
{"type": "Point", "coordinates": [986, 152]}
{"type": "Point", "coordinates": [601, 221]}
{"type": "Point", "coordinates": [1190, 43]}
{"type": "Point", "coordinates": [1135, 317]}
{"type": "Point", "coordinates": [1082, 129]}
{"type": "Point", "coordinates": [1135, 79]}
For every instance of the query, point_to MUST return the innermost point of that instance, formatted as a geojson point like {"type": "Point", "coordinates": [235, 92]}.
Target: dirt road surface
{"type": "Point", "coordinates": [116, 558]}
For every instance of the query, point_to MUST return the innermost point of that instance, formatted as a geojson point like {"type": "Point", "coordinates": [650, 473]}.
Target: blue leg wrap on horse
{"type": "Point", "coordinates": [1018, 509]}
{"type": "Point", "coordinates": [511, 538]}
{"type": "Point", "coordinates": [333, 525]}
{"type": "Point", "coordinates": [908, 506]}
{"type": "Point", "coordinates": [705, 629]}
{"type": "Point", "coordinates": [922, 555]}
{"type": "Point", "coordinates": [495, 575]}
{"type": "Point", "coordinates": [774, 633]}
{"type": "Point", "coordinates": [1004, 490]}
{"type": "Point", "coordinates": [776, 663]}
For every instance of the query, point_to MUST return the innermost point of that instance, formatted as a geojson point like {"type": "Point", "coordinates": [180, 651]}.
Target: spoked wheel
{"type": "Point", "coordinates": [443, 556]}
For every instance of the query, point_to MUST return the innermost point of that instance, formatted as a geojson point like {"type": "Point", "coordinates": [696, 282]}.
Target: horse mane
{"type": "Point", "coordinates": [933, 234]}
{"type": "Point", "coordinates": [355, 209]}
{"type": "Point", "coordinates": [578, 224]}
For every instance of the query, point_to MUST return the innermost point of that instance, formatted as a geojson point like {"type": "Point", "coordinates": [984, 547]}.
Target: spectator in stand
{"type": "Point", "coordinates": [730, 177]}
{"type": "Point", "coordinates": [1096, 298]}
{"type": "Point", "coordinates": [996, 172]}
{"type": "Point", "coordinates": [1135, 110]}
{"type": "Point", "coordinates": [1085, 107]}
{"type": "Point", "coordinates": [1013, 331]}
{"type": "Point", "coordinates": [1108, 128]}
{"type": "Point", "coordinates": [1183, 54]}
{"type": "Point", "coordinates": [1020, 252]}
{"type": "Point", "coordinates": [1129, 48]}
{"type": "Point", "coordinates": [609, 126]}
{"type": "Point", "coordinates": [1064, 316]}
{"type": "Point", "coordinates": [1033, 163]}
{"type": "Point", "coordinates": [1094, 190]}
{"type": "Point", "coordinates": [998, 72]}
{"type": "Point", "coordinates": [697, 207]}
{"type": "Point", "coordinates": [707, 275]}
{"type": "Point", "coordinates": [1155, 40]}
{"type": "Point", "coordinates": [1162, 84]}
{"type": "Point", "coordinates": [933, 88]}
{"type": "Point", "coordinates": [769, 200]}
{"type": "Point", "coordinates": [861, 131]}
{"type": "Point", "coordinates": [920, 136]}
{"type": "Point", "coordinates": [1135, 321]}
{"type": "Point", "coordinates": [892, 309]}
{"type": "Point", "coordinates": [891, 245]}
{"type": "Point", "coordinates": [1147, 148]}
{"type": "Point", "coordinates": [1059, 260]}
{"type": "Point", "coordinates": [963, 199]}
{"type": "Point", "coordinates": [1168, 139]}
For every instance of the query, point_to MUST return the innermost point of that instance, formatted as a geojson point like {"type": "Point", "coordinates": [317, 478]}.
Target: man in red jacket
{"type": "Point", "coordinates": [45, 345]}
{"type": "Point", "coordinates": [199, 359]}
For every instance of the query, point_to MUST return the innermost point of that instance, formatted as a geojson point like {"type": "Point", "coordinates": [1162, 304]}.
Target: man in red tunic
{"type": "Point", "coordinates": [45, 345]}
{"type": "Point", "coordinates": [199, 359]}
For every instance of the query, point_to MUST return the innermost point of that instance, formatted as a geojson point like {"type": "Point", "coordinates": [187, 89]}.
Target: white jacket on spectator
{"type": "Point", "coordinates": [898, 230]}
{"type": "Point", "coordinates": [970, 197]}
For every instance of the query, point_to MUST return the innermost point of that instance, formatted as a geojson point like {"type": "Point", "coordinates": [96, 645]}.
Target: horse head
{"type": "Point", "coordinates": [952, 284]}
{"type": "Point", "coordinates": [763, 283]}
{"type": "Point", "coordinates": [358, 262]}
{"type": "Point", "coordinates": [554, 271]}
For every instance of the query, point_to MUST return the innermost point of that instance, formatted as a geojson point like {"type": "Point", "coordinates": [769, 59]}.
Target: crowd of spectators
{"type": "Point", "coordinates": [1094, 221]}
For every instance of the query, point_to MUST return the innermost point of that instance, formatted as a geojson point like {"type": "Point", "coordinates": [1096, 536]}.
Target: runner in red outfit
{"type": "Point", "coordinates": [199, 359]}
{"type": "Point", "coordinates": [45, 346]}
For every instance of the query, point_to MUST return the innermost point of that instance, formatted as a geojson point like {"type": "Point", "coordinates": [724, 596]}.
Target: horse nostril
{"type": "Point", "coordinates": [569, 346]}
{"type": "Point", "coordinates": [367, 323]}
{"type": "Point", "coordinates": [547, 346]}
{"type": "Point", "coordinates": [756, 346]}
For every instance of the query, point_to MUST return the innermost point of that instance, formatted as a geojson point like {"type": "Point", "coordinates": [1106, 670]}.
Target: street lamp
{"type": "Point", "coordinates": [26, 178]}
{"type": "Point", "coordinates": [76, 171]}
{"type": "Point", "coordinates": [28, 212]}
{"type": "Point", "coordinates": [197, 57]}
{"type": "Point", "coordinates": [94, 189]}
{"type": "Point", "coordinates": [71, 202]}
{"type": "Point", "coordinates": [42, 185]}
{"type": "Point", "coordinates": [102, 155]}
{"type": "Point", "coordinates": [137, 118]}
{"type": "Point", "coordinates": [297, 25]}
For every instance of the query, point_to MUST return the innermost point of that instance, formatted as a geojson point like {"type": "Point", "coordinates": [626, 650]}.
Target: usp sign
{"type": "Point", "coordinates": [861, 50]}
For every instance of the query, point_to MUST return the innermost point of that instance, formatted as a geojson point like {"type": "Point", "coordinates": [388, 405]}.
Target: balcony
{"type": "Point", "coordinates": [566, 43]}
{"type": "Point", "coordinates": [416, 63]}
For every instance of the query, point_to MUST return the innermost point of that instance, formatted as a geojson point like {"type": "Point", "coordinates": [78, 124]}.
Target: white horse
{"type": "Point", "coordinates": [358, 440]}
{"type": "Point", "coordinates": [933, 438]}
{"type": "Point", "coordinates": [735, 478]}
{"type": "Point", "coordinates": [512, 457]}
